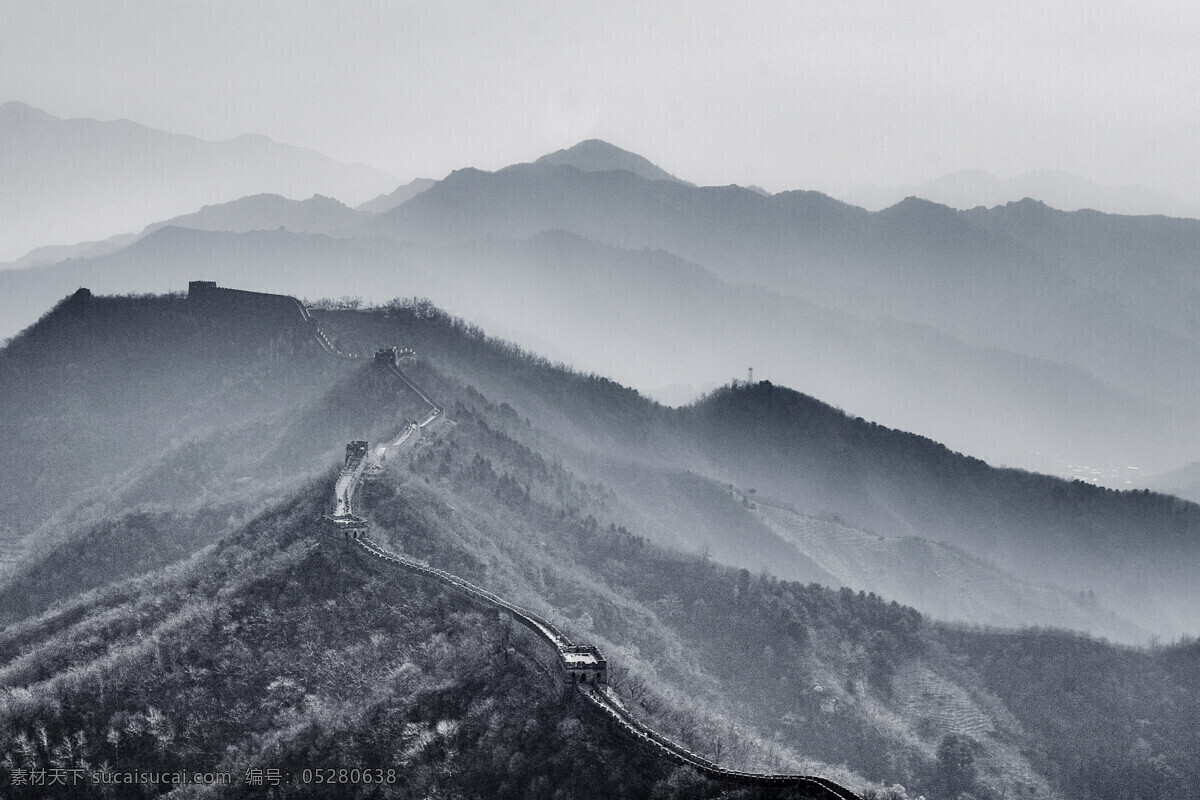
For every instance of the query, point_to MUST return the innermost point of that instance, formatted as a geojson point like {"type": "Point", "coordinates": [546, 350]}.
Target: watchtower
{"type": "Point", "coordinates": [198, 290]}
{"type": "Point", "coordinates": [584, 664]}
{"type": "Point", "coordinates": [386, 356]}
{"type": "Point", "coordinates": [356, 451]}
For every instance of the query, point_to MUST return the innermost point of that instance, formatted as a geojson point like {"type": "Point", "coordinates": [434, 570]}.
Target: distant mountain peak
{"type": "Point", "coordinates": [971, 188]}
{"type": "Point", "coordinates": [912, 201]}
{"type": "Point", "coordinates": [918, 206]}
{"type": "Point", "coordinates": [596, 155]}
{"type": "Point", "coordinates": [268, 211]}
{"type": "Point", "coordinates": [16, 110]}
{"type": "Point", "coordinates": [1027, 202]}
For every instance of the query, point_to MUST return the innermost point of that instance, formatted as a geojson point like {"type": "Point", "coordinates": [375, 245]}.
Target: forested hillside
{"type": "Point", "coordinates": [279, 653]}
{"type": "Point", "coordinates": [1128, 549]}
{"type": "Point", "coordinates": [194, 612]}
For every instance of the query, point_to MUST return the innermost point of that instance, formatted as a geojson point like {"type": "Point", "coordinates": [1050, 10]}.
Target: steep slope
{"type": "Point", "coordinates": [743, 527]}
{"type": "Point", "coordinates": [1042, 542]}
{"type": "Point", "coordinates": [109, 396]}
{"type": "Point", "coordinates": [281, 648]}
{"type": "Point", "coordinates": [401, 195]}
{"type": "Point", "coordinates": [1130, 549]}
{"type": "Point", "coordinates": [64, 181]}
{"type": "Point", "coordinates": [280, 653]}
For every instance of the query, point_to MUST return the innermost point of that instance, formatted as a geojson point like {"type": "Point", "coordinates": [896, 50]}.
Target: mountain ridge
{"type": "Point", "coordinates": [596, 155]}
{"type": "Point", "coordinates": [845, 358]}
{"type": "Point", "coordinates": [317, 214]}
{"type": "Point", "coordinates": [988, 278]}
{"type": "Point", "coordinates": [401, 195]}
{"type": "Point", "coordinates": [971, 188]}
{"type": "Point", "coordinates": [504, 491]}
{"type": "Point", "coordinates": [1054, 288]}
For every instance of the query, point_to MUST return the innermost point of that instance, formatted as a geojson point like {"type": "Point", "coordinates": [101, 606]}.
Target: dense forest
{"type": "Point", "coordinates": [280, 655]}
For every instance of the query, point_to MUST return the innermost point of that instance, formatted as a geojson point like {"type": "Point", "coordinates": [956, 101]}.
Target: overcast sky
{"type": "Point", "coordinates": [825, 95]}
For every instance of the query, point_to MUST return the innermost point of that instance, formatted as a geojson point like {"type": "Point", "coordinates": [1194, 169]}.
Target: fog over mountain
{"type": "Point", "coordinates": [1183, 482]}
{"type": "Point", "coordinates": [386, 202]}
{"type": "Point", "coordinates": [54, 253]}
{"type": "Point", "coordinates": [545, 401]}
{"type": "Point", "coordinates": [843, 501]}
{"type": "Point", "coordinates": [646, 330]}
{"type": "Point", "coordinates": [929, 319]}
{"type": "Point", "coordinates": [594, 155]}
{"type": "Point", "coordinates": [67, 180]}
{"type": "Point", "coordinates": [262, 212]}
{"type": "Point", "coordinates": [1065, 287]}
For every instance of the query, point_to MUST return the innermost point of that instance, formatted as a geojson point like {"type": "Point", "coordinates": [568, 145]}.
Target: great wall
{"type": "Point", "coordinates": [583, 666]}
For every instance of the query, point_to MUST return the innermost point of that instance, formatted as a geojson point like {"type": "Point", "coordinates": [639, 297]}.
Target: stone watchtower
{"type": "Point", "coordinates": [356, 451]}
{"type": "Point", "coordinates": [386, 356]}
{"type": "Point", "coordinates": [584, 664]}
{"type": "Point", "coordinates": [201, 290]}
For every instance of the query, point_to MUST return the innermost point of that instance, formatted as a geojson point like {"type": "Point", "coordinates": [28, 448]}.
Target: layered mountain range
{"type": "Point", "coordinates": [837, 499]}
{"type": "Point", "coordinates": [1072, 334]}
{"type": "Point", "coordinates": [972, 188]}
{"type": "Point", "coordinates": [68, 180]}
{"type": "Point", "coordinates": [824, 568]}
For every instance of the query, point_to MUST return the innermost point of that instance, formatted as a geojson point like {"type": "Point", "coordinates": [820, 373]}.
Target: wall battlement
{"type": "Point", "coordinates": [212, 297]}
{"type": "Point", "coordinates": [584, 663]}
{"type": "Point", "coordinates": [386, 356]}
{"type": "Point", "coordinates": [199, 289]}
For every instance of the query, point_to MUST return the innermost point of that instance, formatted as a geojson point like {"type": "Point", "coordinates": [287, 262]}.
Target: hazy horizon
{"type": "Point", "coordinates": [802, 97]}
{"type": "Point", "coordinates": [334, 445]}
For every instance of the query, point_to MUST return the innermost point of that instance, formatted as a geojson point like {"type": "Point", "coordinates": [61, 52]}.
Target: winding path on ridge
{"type": "Point", "coordinates": [359, 460]}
